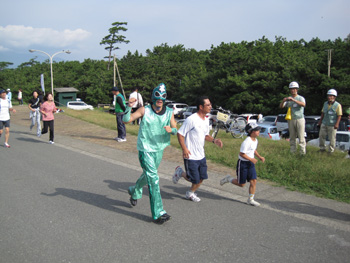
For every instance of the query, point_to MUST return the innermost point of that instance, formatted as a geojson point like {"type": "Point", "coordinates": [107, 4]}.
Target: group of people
{"type": "Point", "coordinates": [331, 113]}
{"type": "Point", "coordinates": [157, 125]}
{"type": "Point", "coordinates": [40, 108]}
{"type": "Point", "coordinates": [43, 108]}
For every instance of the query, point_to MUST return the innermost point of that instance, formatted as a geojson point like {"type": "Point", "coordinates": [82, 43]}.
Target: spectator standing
{"type": "Point", "coordinates": [296, 125]}
{"type": "Point", "coordinates": [47, 109]}
{"type": "Point", "coordinates": [20, 97]}
{"type": "Point", "coordinates": [9, 94]}
{"type": "Point", "coordinates": [330, 117]}
{"type": "Point", "coordinates": [157, 124]}
{"type": "Point", "coordinates": [5, 108]}
{"type": "Point", "coordinates": [192, 136]}
{"type": "Point", "coordinates": [34, 106]}
{"type": "Point", "coordinates": [119, 111]}
{"type": "Point", "coordinates": [138, 104]}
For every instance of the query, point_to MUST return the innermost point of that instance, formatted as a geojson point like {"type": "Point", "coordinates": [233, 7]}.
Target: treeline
{"type": "Point", "coordinates": [243, 77]}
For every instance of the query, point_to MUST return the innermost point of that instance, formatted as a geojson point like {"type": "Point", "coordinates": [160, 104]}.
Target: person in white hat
{"type": "Point", "coordinates": [9, 94]}
{"type": "Point", "coordinates": [296, 125]}
{"type": "Point", "coordinates": [329, 121]}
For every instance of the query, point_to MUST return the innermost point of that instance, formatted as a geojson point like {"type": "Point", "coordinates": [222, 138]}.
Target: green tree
{"type": "Point", "coordinates": [113, 38]}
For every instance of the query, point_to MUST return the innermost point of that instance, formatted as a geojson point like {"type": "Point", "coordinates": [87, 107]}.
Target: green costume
{"type": "Point", "coordinates": [152, 140]}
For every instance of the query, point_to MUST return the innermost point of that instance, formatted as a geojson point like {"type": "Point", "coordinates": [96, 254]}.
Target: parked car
{"type": "Point", "coordinates": [177, 107]}
{"type": "Point", "coordinates": [281, 123]}
{"type": "Point", "coordinates": [342, 141]}
{"type": "Point", "coordinates": [180, 114]}
{"type": "Point", "coordinates": [79, 105]}
{"type": "Point", "coordinates": [344, 124]}
{"type": "Point", "coordinates": [271, 119]}
{"type": "Point", "coordinates": [311, 128]}
{"type": "Point", "coordinates": [251, 118]}
{"type": "Point", "coordinates": [269, 131]}
{"type": "Point", "coordinates": [190, 110]}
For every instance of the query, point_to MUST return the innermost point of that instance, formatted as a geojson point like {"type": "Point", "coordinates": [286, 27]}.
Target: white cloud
{"type": "Point", "coordinates": [3, 49]}
{"type": "Point", "coordinates": [25, 36]}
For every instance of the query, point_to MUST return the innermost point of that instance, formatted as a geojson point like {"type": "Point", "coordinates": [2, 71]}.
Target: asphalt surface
{"type": "Point", "coordinates": [68, 202]}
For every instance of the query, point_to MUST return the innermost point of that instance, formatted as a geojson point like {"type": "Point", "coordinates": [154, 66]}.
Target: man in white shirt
{"type": "Point", "coordinates": [192, 136]}
{"type": "Point", "coordinates": [5, 108]}
{"type": "Point", "coordinates": [139, 102]}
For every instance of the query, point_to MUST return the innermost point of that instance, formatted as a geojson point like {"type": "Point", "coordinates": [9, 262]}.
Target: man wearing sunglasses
{"type": "Point", "coordinates": [157, 124]}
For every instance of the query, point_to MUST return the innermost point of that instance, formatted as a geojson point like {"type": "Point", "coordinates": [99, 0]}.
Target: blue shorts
{"type": "Point", "coordinates": [4, 123]}
{"type": "Point", "coordinates": [196, 170]}
{"type": "Point", "coordinates": [245, 171]}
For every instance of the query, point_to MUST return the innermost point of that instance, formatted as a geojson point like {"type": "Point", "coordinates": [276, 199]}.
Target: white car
{"type": "Point", "coordinates": [78, 105]}
{"type": "Point", "coordinates": [177, 107]}
{"type": "Point", "coordinates": [342, 141]}
{"type": "Point", "coordinates": [269, 131]}
{"type": "Point", "coordinates": [250, 118]}
{"type": "Point", "coordinates": [281, 123]}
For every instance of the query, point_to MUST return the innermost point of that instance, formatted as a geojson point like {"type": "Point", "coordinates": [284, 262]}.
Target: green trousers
{"type": "Point", "coordinates": [150, 162]}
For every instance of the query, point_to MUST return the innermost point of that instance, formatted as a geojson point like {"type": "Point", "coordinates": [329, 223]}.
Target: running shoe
{"type": "Point", "coordinates": [51, 142]}
{"type": "Point", "coordinates": [122, 140]}
{"type": "Point", "coordinates": [162, 219]}
{"type": "Point", "coordinates": [177, 175]}
{"type": "Point", "coordinates": [225, 180]}
{"type": "Point", "coordinates": [7, 145]}
{"type": "Point", "coordinates": [253, 202]}
{"type": "Point", "coordinates": [133, 202]}
{"type": "Point", "coordinates": [192, 196]}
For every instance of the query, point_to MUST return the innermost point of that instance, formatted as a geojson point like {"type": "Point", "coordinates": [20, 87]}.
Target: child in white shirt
{"type": "Point", "coordinates": [246, 163]}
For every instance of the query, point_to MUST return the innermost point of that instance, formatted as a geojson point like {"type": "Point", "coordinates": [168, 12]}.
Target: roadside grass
{"type": "Point", "coordinates": [316, 173]}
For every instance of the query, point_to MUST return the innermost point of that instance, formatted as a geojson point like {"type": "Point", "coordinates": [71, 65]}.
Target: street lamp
{"type": "Point", "coordinates": [51, 57]}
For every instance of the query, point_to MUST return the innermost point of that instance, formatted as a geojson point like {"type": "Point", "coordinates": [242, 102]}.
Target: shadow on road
{"type": "Point", "coordinates": [305, 208]}
{"type": "Point", "coordinates": [100, 201]}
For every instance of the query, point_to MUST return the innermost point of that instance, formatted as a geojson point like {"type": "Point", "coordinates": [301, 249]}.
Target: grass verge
{"type": "Point", "coordinates": [319, 174]}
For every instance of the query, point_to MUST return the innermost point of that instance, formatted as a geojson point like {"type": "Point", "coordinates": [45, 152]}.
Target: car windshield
{"type": "Point", "coordinates": [268, 119]}
{"type": "Point", "coordinates": [342, 137]}
{"type": "Point", "coordinates": [281, 118]}
{"type": "Point", "coordinates": [77, 103]}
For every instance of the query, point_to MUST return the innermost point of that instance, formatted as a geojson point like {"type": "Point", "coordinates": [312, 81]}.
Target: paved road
{"type": "Point", "coordinates": [68, 203]}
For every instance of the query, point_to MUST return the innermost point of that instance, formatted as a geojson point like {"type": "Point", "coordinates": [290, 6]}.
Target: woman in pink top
{"type": "Point", "coordinates": [47, 109]}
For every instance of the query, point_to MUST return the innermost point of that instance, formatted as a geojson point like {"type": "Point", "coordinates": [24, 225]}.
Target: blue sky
{"type": "Point", "coordinates": [80, 25]}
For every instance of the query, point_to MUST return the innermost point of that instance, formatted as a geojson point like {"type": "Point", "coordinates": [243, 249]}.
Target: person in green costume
{"type": "Point", "coordinates": [157, 124]}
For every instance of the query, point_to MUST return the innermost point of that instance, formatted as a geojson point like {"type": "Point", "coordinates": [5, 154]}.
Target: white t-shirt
{"type": "Point", "coordinates": [194, 129]}
{"type": "Point", "coordinates": [248, 147]}
{"type": "Point", "coordinates": [5, 105]}
{"type": "Point", "coordinates": [138, 97]}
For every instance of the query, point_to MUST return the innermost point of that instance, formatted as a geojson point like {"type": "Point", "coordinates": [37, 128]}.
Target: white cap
{"type": "Point", "coordinates": [332, 92]}
{"type": "Point", "coordinates": [8, 89]}
{"type": "Point", "coordinates": [294, 85]}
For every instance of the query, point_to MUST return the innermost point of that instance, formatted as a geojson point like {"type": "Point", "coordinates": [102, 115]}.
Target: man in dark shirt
{"type": "Point", "coordinates": [34, 106]}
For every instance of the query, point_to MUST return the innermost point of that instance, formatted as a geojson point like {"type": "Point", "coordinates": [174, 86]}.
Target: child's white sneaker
{"type": "Point", "coordinates": [192, 196]}
{"type": "Point", "coordinates": [177, 175]}
{"type": "Point", "coordinates": [253, 202]}
{"type": "Point", "coordinates": [225, 180]}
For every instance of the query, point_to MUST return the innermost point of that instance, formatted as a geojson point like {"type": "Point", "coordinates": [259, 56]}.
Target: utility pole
{"type": "Point", "coordinates": [329, 61]}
